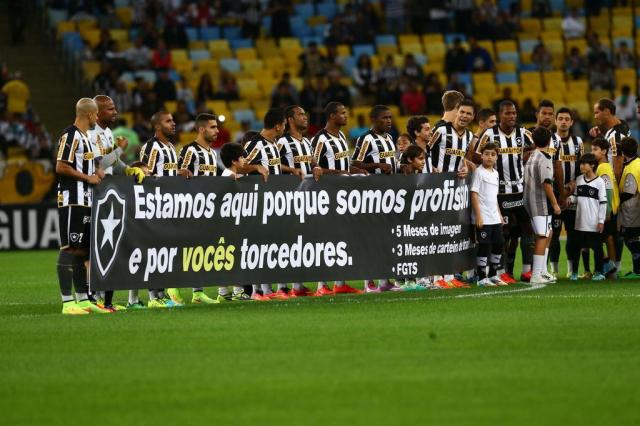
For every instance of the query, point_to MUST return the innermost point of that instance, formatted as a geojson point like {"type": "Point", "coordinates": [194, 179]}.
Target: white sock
{"type": "Point", "coordinates": [322, 284]}
{"type": "Point", "coordinates": [133, 297]}
{"type": "Point", "coordinates": [383, 282]}
{"type": "Point", "coordinates": [546, 259]}
{"type": "Point", "coordinates": [526, 268]}
{"type": "Point", "coordinates": [68, 298]}
{"type": "Point", "coordinates": [538, 264]}
{"type": "Point", "coordinates": [281, 286]}
{"type": "Point", "coordinates": [81, 297]}
{"type": "Point", "coordinates": [340, 283]}
{"type": "Point", "coordinates": [297, 286]}
{"type": "Point", "coordinates": [448, 277]}
{"type": "Point", "coordinates": [255, 288]}
{"type": "Point", "coordinates": [617, 265]}
{"type": "Point", "coordinates": [99, 294]}
{"type": "Point", "coordinates": [223, 291]}
{"type": "Point", "coordinates": [238, 289]}
{"type": "Point", "coordinates": [266, 288]}
{"type": "Point", "coordinates": [570, 266]}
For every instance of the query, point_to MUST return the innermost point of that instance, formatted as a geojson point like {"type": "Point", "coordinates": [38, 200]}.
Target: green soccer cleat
{"type": "Point", "coordinates": [170, 303]}
{"type": "Point", "coordinates": [200, 298]}
{"type": "Point", "coordinates": [174, 295]}
{"type": "Point", "coordinates": [156, 304]}
{"type": "Point", "coordinates": [224, 299]}
{"type": "Point", "coordinates": [91, 308]}
{"type": "Point", "coordinates": [71, 308]}
{"type": "Point", "coordinates": [134, 306]}
{"type": "Point", "coordinates": [409, 285]}
{"type": "Point", "coordinates": [631, 276]}
{"type": "Point", "coordinates": [241, 296]}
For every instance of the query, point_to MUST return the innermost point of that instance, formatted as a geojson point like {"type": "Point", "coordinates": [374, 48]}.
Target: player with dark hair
{"type": "Point", "coordinates": [375, 150]}
{"type": "Point", "coordinates": [77, 174]}
{"type": "Point", "coordinates": [612, 129]}
{"type": "Point", "coordinates": [629, 214]}
{"type": "Point", "coordinates": [330, 146]}
{"type": "Point", "coordinates": [511, 141]}
{"type": "Point", "coordinates": [538, 194]}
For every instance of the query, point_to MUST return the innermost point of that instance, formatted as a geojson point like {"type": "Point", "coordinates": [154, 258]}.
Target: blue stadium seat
{"type": "Point", "coordinates": [122, 3]}
{"type": "Point", "coordinates": [299, 27]}
{"type": "Point", "coordinates": [328, 9]}
{"type": "Point", "coordinates": [386, 39]}
{"type": "Point", "coordinates": [504, 4]}
{"type": "Point", "coordinates": [526, 46]}
{"type": "Point", "coordinates": [173, 75]}
{"type": "Point", "coordinates": [637, 21]}
{"type": "Point", "coordinates": [528, 67]}
{"type": "Point", "coordinates": [464, 78]}
{"type": "Point", "coordinates": [72, 42]}
{"type": "Point", "coordinates": [421, 59]}
{"type": "Point", "coordinates": [56, 16]}
{"type": "Point", "coordinates": [241, 115]}
{"type": "Point", "coordinates": [320, 30]}
{"type": "Point", "coordinates": [349, 63]}
{"type": "Point", "coordinates": [509, 57]}
{"type": "Point", "coordinates": [506, 77]}
{"type": "Point", "coordinates": [232, 32]}
{"type": "Point", "coordinates": [199, 54]}
{"type": "Point", "coordinates": [192, 33]}
{"type": "Point", "coordinates": [306, 40]}
{"type": "Point", "coordinates": [266, 23]}
{"type": "Point", "coordinates": [241, 43]}
{"type": "Point", "coordinates": [363, 49]}
{"type": "Point", "coordinates": [304, 10]}
{"type": "Point", "coordinates": [449, 38]}
{"type": "Point", "coordinates": [127, 77]}
{"type": "Point", "coordinates": [210, 33]}
{"type": "Point", "coordinates": [133, 33]}
{"type": "Point", "coordinates": [230, 64]}
{"type": "Point", "coordinates": [557, 6]}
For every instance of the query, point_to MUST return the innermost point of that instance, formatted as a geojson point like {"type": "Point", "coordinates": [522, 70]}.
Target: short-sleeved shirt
{"type": "Point", "coordinates": [614, 136]}
{"type": "Point", "coordinates": [485, 183]}
{"type": "Point", "coordinates": [229, 172]}
{"type": "Point", "coordinates": [605, 171]}
{"type": "Point", "coordinates": [265, 153]}
{"type": "Point", "coordinates": [568, 154]}
{"type": "Point", "coordinates": [537, 172]}
{"type": "Point", "coordinates": [199, 160]}
{"type": "Point", "coordinates": [295, 153]}
{"type": "Point", "coordinates": [103, 142]}
{"type": "Point", "coordinates": [329, 151]}
{"type": "Point", "coordinates": [161, 158]}
{"type": "Point", "coordinates": [591, 200]}
{"type": "Point", "coordinates": [75, 148]}
{"type": "Point", "coordinates": [375, 148]}
{"type": "Point", "coordinates": [449, 147]}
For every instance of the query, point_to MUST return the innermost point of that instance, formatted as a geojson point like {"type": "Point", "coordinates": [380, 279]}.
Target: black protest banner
{"type": "Point", "coordinates": [173, 232]}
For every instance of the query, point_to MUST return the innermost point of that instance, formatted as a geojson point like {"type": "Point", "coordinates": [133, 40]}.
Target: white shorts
{"type": "Point", "coordinates": [541, 225]}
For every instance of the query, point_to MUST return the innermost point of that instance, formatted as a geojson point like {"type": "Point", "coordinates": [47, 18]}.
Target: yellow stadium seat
{"type": "Point", "coordinates": [430, 67]}
{"type": "Point", "coordinates": [119, 35]}
{"type": "Point", "coordinates": [197, 44]}
{"type": "Point", "coordinates": [580, 43]}
{"type": "Point", "coordinates": [503, 46]}
{"type": "Point", "coordinates": [621, 32]}
{"type": "Point", "coordinates": [179, 55]}
{"type": "Point", "coordinates": [246, 53]}
{"type": "Point", "coordinates": [208, 65]}
{"type": "Point", "coordinates": [551, 35]}
{"type": "Point", "coordinates": [622, 11]}
{"type": "Point", "coordinates": [184, 67]}
{"type": "Point", "coordinates": [291, 57]}
{"type": "Point", "coordinates": [515, 87]}
{"type": "Point", "coordinates": [483, 77]}
{"type": "Point", "coordinates": [65, 27]}
{"type": "Point", "coordinates": [171, 106]}
{"type": "Point", "coordinates": [274, 63]}
{"type": "Point", "coordinates": [90, 69]}
{"type": "Point", "coordinates": [123, 45]}
{"type": "Point", "coordinates": [505, 67]}
{"type": "Point", "coordinates": [125, 15]}
{"type": "Point", "coordinates": [247, 83]}
{"type": "Point", "coordinates": [531, 25]}
{"type": "Point", "coordinates": [290, 43]}
{"type": "Point", "coordinates": [91, 36]}
{"type": "Point", "coordinates": [432, 38]}
{"type": "Point", "coordinates": [344, 50]}
{"type": "Point", "coordinates": [552, 24]}
{"type": "Point", "coordinates": [85, 25]}
{"type": "Point", "coordinates": [600, 23]}
{"type": "Point", "coordinates": [187, 137]}
{"type": "Point", "coordinates": [530, 78]}
{"type": "Point", "coordinates": [411, 48]}
{"type": "Point", "coordinates": [235, 105]}
{"type": "Point", "coordinates": [387, 49]}
{"type": "Point", "coordinates": [252, 65]}
{"type": "Point", "coordinates": [408, 39]}
{"type": "Point", "coordinates": [582, 108]}
{"type": "Point", "coordinates": [488, 44]}
{"type": "Point", "coordinates": [596, 95]}
{"type": "Point", "coordinates": [218, 45]}
{"type": "Point", "coordinates": [218, 107]}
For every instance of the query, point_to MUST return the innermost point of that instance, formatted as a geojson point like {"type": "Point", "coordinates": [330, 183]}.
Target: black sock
{"type": "Point", "coordinates": [586, 260]}
{"type": "Point", "coordinates": [80, 275]}
{"type": "Point", "coordinates": [108, 297]}
{"type": "Point", "coordinates": [64, 268]}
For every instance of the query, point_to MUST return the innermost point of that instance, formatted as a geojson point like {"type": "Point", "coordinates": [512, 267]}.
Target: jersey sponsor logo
{"type": "Point", "coordinates": [89, 156]}
{"type": "Point", "coordinates": [387, 154]}
{"type": "Point", "coordinates": [512, 204]}
{"type": "Point", "coordinates": [274, 161]}
{"type": "Point", "coordinates": [302, 159]}
{"type": "Point", "coordinates": [170, 166]}
{"type": "Point", "coordinates": [510, 151]}
{"type": "Point", "coordinates": [549, 150]}
{"type": "Point", "coordinates": [455, 152]}
{"type": "Point", "coordinates": [341, 155]}
{"type": "Point", "coordinates": [568, 158]}
{"type": "Point", "coordinates": [207, 168]}
{"type": "Point", "coordinates": [110, 212]}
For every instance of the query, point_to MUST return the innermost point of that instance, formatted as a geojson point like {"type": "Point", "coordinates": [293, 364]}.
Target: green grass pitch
{"type": "Point", "coordinates": [566, 354]}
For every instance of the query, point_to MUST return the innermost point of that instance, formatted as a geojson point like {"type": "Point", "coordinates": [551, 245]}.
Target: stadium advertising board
{"type": "Point", "coordinates": [29, 227]}
{"type": "Point", "coordinates": [174, 232]}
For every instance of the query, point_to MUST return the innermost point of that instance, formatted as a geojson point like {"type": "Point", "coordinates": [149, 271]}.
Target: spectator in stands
{"type": "Point", "coordinates": [184, 120]}
{"type": "Point", "coordinates": [504, 29]}
{"type": "Point", "coordinates": [17, 93]}
{"type": "Point", "coordinates": [601, 75]}
{"type": "Point", "coordinates": [174, 36]}
{"type": "Point", "coordinates": [151, 104]}
{"type": "Point", "coordinates": [395, 15]}
{"type": "Point", "coordinates": [576, 64]}
{"type": "Point", "coordinates": [286, 79]}
{"type": "Point", "coordinates": [138, 55]}
{"type": "Point", "coordinates": [455, 84]}
{"type": "Point", "coordinates": [149, 34]}
{"type": "Point", "coordinates": [313, 62]}
{"type": "Point", "coordinates": [364, 33]}
{"type": "Point", "coordinates": [573, 26]}
{"type": "Point", "coordinates": [227, 88]}
{"type": "Point", "coordinates": [142, 126]}
{"type": "Point", "coordinates": [185, 94]}
{"type": "Point", "coordinates": [624, 58]}
{"type": "Point", "coordinates": [336, 91]}
{"type": "Point", "coordinates": [17, 13]}
{"type": "Point", "coordinates": [480, 27]}
{"type": "Point", "coordinates": [455, 59]}
{"type": "Point", "coordinates": [596, 49]}
{"type": "Point", "coordinates": [462, 12]}
{"type": "Point", "coordinates": [161, 56]}
{"type": "Point", "coordinates": [527, 113]}
{"type": "Point", "coordinates": [280, 10]}
{"type": "Point", "coordinates": [282, 97]}
{"type": "Point", "coordinates": [488, 10]}
{"type": "Point", "coordinates": [139, 92]}
{"type": "Point", "coordinates": [541, 57]}
{"type": "Point", "coordinates": [205, 89]}
{"type": "Point", "coordinates": [338, 32]}
{"type": "Point", "coordinates": [313, 99]}
{"type": "Point", "coordinates": [164, 87]}
{"type": "Point", "coordinates": [433, 91]}
{"type": "Point", "coordinates": [121, 97]}
{"type": "Point", "coordinates": [105, 47]}
{"type": "Point", "coordinates": [251, 14]}
{"type": "Point", "coordinates": [388, 74]}
{"type": "Point", "coordinates": [121, 129]}
{"type": "Point", "coordinates": [364, 76]}
{"type": "Point", "coordinates": [413, 101]}
{"type": "Point", "coordinates": [540, 8]}
{"type": "Point", "coordinates": [626, 105]}
{"type": "Point", "coordinates": [411, 70]}
{"type": "Point", "coordinates": [478, 59]}
{"type": "Point", "coordinates": [507, 95]}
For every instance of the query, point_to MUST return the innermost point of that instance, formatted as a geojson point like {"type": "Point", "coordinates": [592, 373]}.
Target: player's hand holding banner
{"type": "Point", "coordinates": [171, 232]}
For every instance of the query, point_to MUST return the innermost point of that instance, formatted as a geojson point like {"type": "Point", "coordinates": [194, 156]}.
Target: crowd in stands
{"type": "Point", "coordinates": [20, 127]}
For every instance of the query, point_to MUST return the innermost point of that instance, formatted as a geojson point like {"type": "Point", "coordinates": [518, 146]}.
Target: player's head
{"type": "Point", "coordinates": [403, 142]}
{"type": "Point", "coordinates": [296, 118]}
{"type": "Point", "coordinates": [414, 155]}
{"type": "Point", "coordinates": [603, 111]}
{"type": "Point", "coordinates": [600, 148]}
{"type": "Point", "coordinates": [163, 124]}
{"type": "Point", "coordinates": [564, 119]}
{"type": "Point", "coordinates": [588, 162]}
{"type": "Point", "coordinates": [507, 114]}
{"type": "Point", "coordinates": [418, 127]}
{"type": "Point", "coordinates": [544, 113]}
{"type": "Point", "coordinates": [381, 118]}
{"type": "Point", "coordinates": [629, 147]}
{"type": "Point", "coordinates": [274, 120]}
{"type": "Point", "coordinates": [207, 127]}
{"type": "Point", "coordinates": [486, 118]}
{"type": "Point", "coordinates": [250, 134]}
{"type": "Point", "coordinates": [451, 99]}
{"type": "Point", "coordinates": [466, 113]}
{"type": "Point", "coordinates": [107, 113]}
{"type": "Point", "coordinates": [142, 166]}
{"type": "Point", "coordinates": [232, 154]}
{"type": "Point", "coordinates": [489, 154]}
{"type": "Point", "coordinates": [87, 111]}
{"type": "Point", "coordinates": [541, 137]}
{"type": "Point", "coordinates": [336, 113]}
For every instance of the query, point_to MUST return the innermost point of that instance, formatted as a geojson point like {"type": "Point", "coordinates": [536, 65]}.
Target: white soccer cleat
{"type": "Point", "coordinates": [486, 282]}
{"type": "Point", "coordinates": [542, 278]}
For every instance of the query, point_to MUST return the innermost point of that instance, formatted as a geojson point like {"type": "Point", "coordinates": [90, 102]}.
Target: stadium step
{"type": "Point", "coordinates": [53, 93]}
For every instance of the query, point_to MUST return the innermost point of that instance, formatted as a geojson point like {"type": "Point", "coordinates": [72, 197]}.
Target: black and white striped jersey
{"type": "Point", "coordinates": [374, 148]}
{"type": "Point", "coordinates": [265, 153]}
{"type": "Point", "coordinates": [329, 151]}
{"type": "Point", "coordinates": [510, 162]}
{"type": "Point", "coordinates": [296, 153]}
{"type": "Point", "coordinates": [198, 160]}
{"type": "Point", "coordinates": [614, 136]}
{"type": "Point", "coordinates": [569, 152]}
{"type": "Point", "coordinates": [448, 147]}
{"type": "Point", "coordinates": [160, 158]}
{"type": "Point", "coordinates": [75, 148]}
